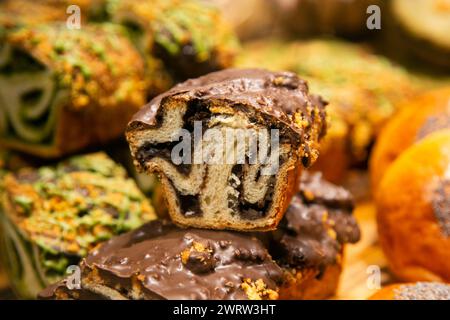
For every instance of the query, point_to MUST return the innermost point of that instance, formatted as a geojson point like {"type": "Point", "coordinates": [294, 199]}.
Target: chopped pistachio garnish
{"type": "Point", "coordinates": [68, 209]}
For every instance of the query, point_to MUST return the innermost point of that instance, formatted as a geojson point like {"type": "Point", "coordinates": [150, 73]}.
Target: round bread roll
{"type": "Point", "coordinates": [414, 291]}
{"type": "Point", "coordinates": [418, 118]}
{"type": "Point", "coordinates": [413, 211]}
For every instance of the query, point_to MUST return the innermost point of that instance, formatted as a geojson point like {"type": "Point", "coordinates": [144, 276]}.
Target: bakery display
{"type": "Point", "coordinates": [348, 76]}
{"type": "Point", "coordinates": [337, 17]}
{"type": "Point", "coordinates": [162, 261]}
{"type": "Point", "coordinates": [419, 117]}
{"type": "Point", "coordinates": [211, 187]}
{"type": "Point", "coordinates": [224, 150]}
{"type": "Point", "coordinates": [52, 216]}
{"type": "Point", "coordinates": [414, 291]}
{"type": "Point", "coordinates": [413, 211]}
{"type": "Point", "coordinates": [61, 91]}
{"type": "Point", "coordinates": [423, 35]}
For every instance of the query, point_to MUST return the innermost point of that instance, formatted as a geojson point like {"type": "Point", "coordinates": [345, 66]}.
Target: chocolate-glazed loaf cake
{"type": "Point", "coordinates": [162, 261]}
{"type": "Point", "coordinates": [310, 239]}
{"type": "Point", "coordinates": [224, 194]}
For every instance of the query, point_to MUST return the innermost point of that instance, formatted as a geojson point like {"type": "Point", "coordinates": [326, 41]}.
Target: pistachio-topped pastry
{"type": "Point", "coordinates": [188, 37]}
{"type": "Point", "coordinates": [54, 215]}
{"type": "Point", "coordinates": [62, 90]}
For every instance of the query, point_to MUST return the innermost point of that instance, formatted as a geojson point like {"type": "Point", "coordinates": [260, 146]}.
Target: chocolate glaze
{"type": "Point", "coordinates": [276, 95]}
{"type": "Point", "coordinates": [174, 263]}
{"type": "Point", "coordinates": [305, 237]}
{"type": "Point", "coordinates": [441, 206]}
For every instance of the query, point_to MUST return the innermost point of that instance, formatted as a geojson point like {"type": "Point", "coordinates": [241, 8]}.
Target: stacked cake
{"type": "Point", "coordinates": [287, 228]}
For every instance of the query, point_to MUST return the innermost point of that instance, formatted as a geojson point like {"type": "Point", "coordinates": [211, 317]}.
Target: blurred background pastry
{"type": "Point", "coordinates": [420, 116]}
{"type": "Point", "coordinates": [52, 217]}
{"type": "Point", "coordinates": [362, 89]}
{"type": "Point", "coordinates": [315, 17]}
{"type": "Point", "coordinates": [414, 291]}
{"type": "Point", "coordinates": [413, 209]}
{"type": "Point", "coordinates": [188, 38]}
{"type": "Point", "coordinates": [62, 91]}
{"type": "Point", "coordinates": [250, 19]}
{"type": "Point", "coordinates": [421, 29]}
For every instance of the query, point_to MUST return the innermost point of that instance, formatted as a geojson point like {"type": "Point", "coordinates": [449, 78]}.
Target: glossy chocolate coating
{"type": "Point", "coordinates": [316, 225]}
{"type": "Point", "coordinates": [276, 95]}
{"type": "Point", "coordinates": [175, 263]}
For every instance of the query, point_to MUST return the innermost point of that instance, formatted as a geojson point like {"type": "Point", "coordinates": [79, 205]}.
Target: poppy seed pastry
{"type": "Point", "coordinates": [310, 240]}
{"type": "Point", "coordinates": [212, 189]}
{"type": "Point", "coordinates": [162, 261]}
{"type": "Point", "coordinates": [413, 211]}
{"type": "Point", "coordinates": [414, 291]}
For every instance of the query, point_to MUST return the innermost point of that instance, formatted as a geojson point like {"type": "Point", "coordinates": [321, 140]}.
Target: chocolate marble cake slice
{"type": "Point", "coordinates": [229, 146]}
{"type": "Point", "coordinates": [162, 261]}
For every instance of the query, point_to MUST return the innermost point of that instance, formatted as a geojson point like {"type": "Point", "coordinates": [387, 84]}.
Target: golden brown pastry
{"type": "Point", "coordinates": [418, 117]}
{"type": "Point", "coordinates": [413, 211]}
{"type": "Point", "coordinates": [414, 291]}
